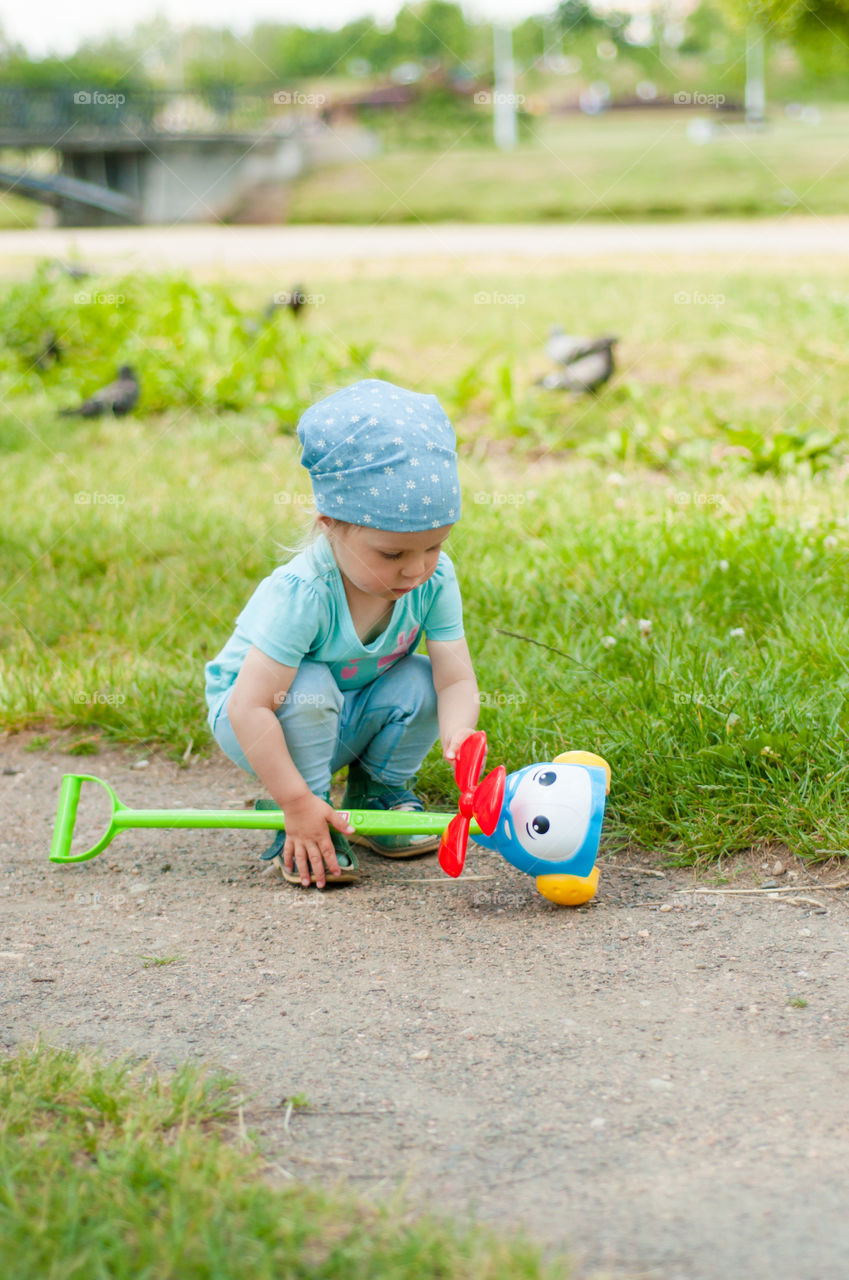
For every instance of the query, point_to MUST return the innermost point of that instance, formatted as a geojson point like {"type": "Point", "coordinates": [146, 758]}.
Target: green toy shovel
{"type": "Point", "coordinates": [368, 821]}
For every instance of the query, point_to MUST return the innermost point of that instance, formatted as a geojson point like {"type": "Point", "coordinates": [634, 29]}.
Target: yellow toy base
{"type": "Point", "coordinates": [568, 891]}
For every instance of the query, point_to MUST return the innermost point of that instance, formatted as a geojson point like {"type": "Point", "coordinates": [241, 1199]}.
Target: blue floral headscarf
{"type": "Point", "coordinates": [381, 456]}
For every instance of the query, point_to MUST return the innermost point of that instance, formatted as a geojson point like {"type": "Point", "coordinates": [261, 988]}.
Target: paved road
{"type": "Point", "coordinates": [234, 249]}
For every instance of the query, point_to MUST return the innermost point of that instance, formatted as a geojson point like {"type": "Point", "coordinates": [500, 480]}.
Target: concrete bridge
{"type": "Point", "coordinates": [164, 157]}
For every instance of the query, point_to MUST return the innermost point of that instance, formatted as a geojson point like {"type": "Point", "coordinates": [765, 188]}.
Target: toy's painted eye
{"type": "Point", "coordinates": [550, 825]}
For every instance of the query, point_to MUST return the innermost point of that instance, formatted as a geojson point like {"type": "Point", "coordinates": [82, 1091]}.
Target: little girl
{"type": "Point", "coordinates": [322, 670]}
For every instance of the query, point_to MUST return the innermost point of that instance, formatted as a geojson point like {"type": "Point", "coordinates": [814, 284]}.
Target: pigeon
{"type": "Point", "coordinates": [293, 301]}
{"type": "Point", "coordinates": [564, 348]}
{"type": "Point", "coordinates": [119, 396]}
{"type": "Point", "coordinates": [50, 351]}
{"type": "Point", "coordinates": [71, 269]}
{"type": "Point", "coordinates": [587, 372]}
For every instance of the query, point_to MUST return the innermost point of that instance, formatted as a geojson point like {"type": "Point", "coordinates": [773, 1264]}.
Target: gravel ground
{"type": "Point", "coordinates": [655, 1081]}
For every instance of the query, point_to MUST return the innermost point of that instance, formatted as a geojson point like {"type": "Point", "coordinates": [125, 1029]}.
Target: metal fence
{"type": "Point", "coordinates": [48, 115]}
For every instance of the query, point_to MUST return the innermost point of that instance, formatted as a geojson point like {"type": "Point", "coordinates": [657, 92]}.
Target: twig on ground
{"type": "Point", "coordinates": [443, 880]}
{"type": "Point", "coordinates": [243, 1133]}
{"type": "Point", "coordinates": [644, 871]}
{"type": "Point", "coordinates": [842, 884]}
{"type": "Point", "coordinates": [838, 884]}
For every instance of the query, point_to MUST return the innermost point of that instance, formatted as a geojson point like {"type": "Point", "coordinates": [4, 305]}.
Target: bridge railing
{"type": "Point", "coordinates": [91, 112]}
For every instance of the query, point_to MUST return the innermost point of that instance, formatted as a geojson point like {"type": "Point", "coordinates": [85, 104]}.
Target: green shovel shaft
{"type": "Point", "coordinates": [370, 822]}
{"type": "Point", "coordinates": [367, 821]}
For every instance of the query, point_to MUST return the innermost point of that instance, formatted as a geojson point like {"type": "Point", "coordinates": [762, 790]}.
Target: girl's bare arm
{"type": "Point", "coordinates": [458, 700]}
{"type": "Point", "coordinates": [260, 687]}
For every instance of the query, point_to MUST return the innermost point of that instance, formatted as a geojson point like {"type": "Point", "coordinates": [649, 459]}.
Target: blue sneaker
{"type": "Point", "coordinates": [364, 792]}
{"type": "Point", "coordinates": [345, 855]}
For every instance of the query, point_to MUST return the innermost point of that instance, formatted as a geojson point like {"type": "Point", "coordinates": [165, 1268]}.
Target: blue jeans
{"type": "Point", "coordinates": [389, 725]}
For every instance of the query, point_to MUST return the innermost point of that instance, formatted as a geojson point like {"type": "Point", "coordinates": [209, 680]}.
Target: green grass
{"type": "Point", "coordinates": [703, 491]}
{"type": "Point", "coordinates": [17, 213]}
{"type": "Point", "coordinates": [621, 165]}
{"type": "Point", "coordinates": [109, 1172]}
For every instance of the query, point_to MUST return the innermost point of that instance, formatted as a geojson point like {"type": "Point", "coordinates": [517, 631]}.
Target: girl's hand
{"type": "Point", "coordinates": [308, 845]}
{"type": "Point", "coordinates": [454, 743]}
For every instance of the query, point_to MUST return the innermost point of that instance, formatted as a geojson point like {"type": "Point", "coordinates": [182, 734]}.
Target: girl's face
{"type": "Point", "coordinates": [384, 564]}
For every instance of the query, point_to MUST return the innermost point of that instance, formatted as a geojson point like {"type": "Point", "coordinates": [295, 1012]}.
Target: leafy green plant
{"type": "Point", "coordinates": [785, 451]}
{"type": "Point", "coordinates": [192, 346]}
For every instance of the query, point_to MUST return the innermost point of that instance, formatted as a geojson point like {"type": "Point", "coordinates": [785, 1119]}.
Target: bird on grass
{"type": "Point", "coordinates": [586, 363]}
{"type": "Point", "coordinates": [563, 348]}
{"type": "Point", "coordinates": [118, 397]}
{"type": "Point", "coordinates": [290, 300]}
{"type": "Point", "coordinates": [72, 269]}
{"type": "Point", "coordinates": [50, 351]}
{"type": "Point", "coordinates": [293, 301]}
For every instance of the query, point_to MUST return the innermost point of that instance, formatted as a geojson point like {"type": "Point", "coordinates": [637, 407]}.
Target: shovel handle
{"type": "Point", "coordinates": [368, 821]}
{"type": "Point", "coordinates": [66, 816]}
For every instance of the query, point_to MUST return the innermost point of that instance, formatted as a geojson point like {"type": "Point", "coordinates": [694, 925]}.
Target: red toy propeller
{"type": "Point", "coordinates": [479, 801]}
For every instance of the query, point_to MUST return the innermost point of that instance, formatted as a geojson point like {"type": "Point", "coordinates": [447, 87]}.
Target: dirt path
{"type": "Point", "coordinates": [243, 250]}
{"type": "Point", "coordinates": [638, 1080]}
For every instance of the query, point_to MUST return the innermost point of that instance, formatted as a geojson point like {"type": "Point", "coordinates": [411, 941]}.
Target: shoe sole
{"type": "Point", "coordinates": [351, 875]}
{"type": "Point", "coordinates": [347, 877]}
{"type": "Point", "coordinates": [429, 847]}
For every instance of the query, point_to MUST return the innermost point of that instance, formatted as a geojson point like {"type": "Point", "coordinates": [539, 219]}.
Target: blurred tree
{"type": "Point", "coordinates": [433, 31]}
{"type": "Point", "coordinates": [8, 49]}
{"type": "Point", "coordinates": [292, 52]}
{"type": "Point", "coordinates": [528, 43]}
{"type": "Point", "coordinates": [818, 30]}
{"type": "Point", "coordinates": [706, 28]}
{"type": "Point", "coordinates": [811, 26]}
{"type": "Point", "coordinates": [218, 66]}
{"type": "Point", "coordinates": [576, 15]}
{"type": "Point", "coordinates": [95, 69]}
{"type": "Point", "coordinates": [796, 19]}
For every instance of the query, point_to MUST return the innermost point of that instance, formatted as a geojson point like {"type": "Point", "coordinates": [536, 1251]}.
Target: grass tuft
{"type": "Point", "coordinates": [109, 1172]}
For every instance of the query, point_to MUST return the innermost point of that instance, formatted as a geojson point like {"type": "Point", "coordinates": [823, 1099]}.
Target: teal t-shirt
{"type": "Point", "coordinates": [300, 611]}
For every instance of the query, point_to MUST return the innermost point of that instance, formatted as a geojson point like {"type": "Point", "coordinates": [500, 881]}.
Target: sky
{"type": "Point", "coordinates": [55, 26]}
